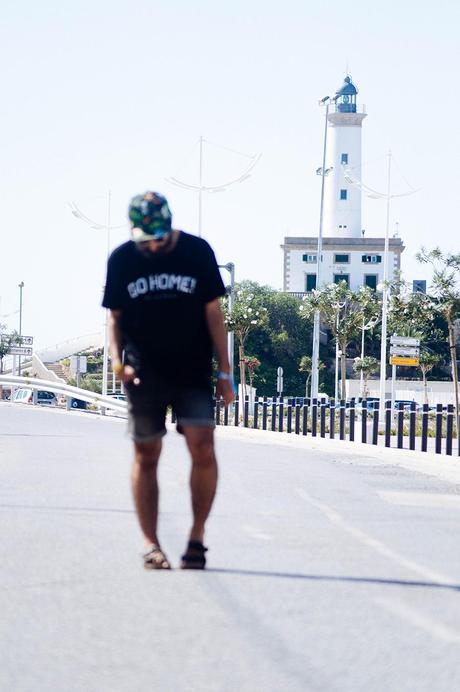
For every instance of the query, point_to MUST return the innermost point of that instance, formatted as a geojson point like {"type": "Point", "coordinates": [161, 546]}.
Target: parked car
{"type": "Point", "coordinates": [406, 404]}
{"type": "Point", "coordinates": [121, 397]}
{"type": "Point", "coordinates": [24, 395]}
{"type": "Point", "coordinates": [78, 403]}
{"type": "Point", "coordinates": [370, 404]}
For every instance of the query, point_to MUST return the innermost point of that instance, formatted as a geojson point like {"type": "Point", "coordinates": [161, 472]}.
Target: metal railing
{"type": "Point", "coordinates": [406, 427]}
{"type": "Point", "coordinates": [65, 389]}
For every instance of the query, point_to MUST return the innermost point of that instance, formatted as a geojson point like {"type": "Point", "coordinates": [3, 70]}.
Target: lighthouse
{"type": "Point", "coordinates": [349, 253]}
{"type": "Point", "coordinates": [342, 201]}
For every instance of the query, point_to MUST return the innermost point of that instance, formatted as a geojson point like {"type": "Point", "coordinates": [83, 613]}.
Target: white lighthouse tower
{"type": "Point", "coordinates": [342, 201]}
{"type": "Point", "coordinates": [348, 253]}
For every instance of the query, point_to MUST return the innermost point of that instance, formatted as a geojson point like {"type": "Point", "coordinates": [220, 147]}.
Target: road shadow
{"type": "Point", "coordinates": [378, 581]}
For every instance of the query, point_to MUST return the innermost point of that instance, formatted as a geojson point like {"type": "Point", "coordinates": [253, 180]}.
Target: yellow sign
{"type": "Point", "coordinates": [401, 360]}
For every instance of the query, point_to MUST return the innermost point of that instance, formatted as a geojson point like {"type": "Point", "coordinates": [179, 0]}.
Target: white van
{"type": "Point", "coordinates": [25, 395]}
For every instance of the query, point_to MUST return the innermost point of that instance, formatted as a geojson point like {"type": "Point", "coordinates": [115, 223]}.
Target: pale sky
{"type": "Point", "coordinates": [100, 95]}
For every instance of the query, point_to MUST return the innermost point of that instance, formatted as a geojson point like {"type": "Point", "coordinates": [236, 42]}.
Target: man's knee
{"type": "Point", "coordinates": [201, 446]}
{"type": "Point", "coordinates": [146, 454]}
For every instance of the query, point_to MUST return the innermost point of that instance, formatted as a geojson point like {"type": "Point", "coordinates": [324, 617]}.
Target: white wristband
{"type": "Point", "coordinates": [224, 376]}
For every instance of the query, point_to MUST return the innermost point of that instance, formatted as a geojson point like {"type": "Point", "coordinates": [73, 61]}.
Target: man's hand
{"type": "Point", "coordinates": [127, 374]}
{"type": "Point", "coordinates": [224, 389]}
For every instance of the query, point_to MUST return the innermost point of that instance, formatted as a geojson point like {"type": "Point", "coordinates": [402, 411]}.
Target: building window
{"type": "Point", "coordinates": [310, 283]}
{"type": "Point", "coordinates": [343, 194]}
{"type": "Point", "coordinates": [371, 281]}
{"type": "Point", "coordinates": [419, 286]}
{"type": "Point", "coordinates": [310, 258]}
{"type": "Point", "coordinates": [344, 158]}
{"type": "Point", "coordinates": [342, 277]}
{"type": "Point", "coordinates": [342, 259]}
{"type": "Point", "coordinates": [372, 259]}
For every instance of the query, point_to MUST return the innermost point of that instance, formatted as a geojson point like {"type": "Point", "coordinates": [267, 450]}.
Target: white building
{"type": "Point", "coordinates": [347, 254]}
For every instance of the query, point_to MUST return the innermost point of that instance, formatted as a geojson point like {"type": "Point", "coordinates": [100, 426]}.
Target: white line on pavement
{"type": "Point", "coordinates": [379, 547]}
{"type": "Point", "coordinates": [408, 499]}
{"type": "Point", "coordinates": [256, 533]}
{"type": "Point", "coordinates": [435, 629]}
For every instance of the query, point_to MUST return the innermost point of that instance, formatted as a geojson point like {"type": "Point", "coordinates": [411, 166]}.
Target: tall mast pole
{"type": "Point", "coordinates": [105, 361]}
{"type": "Point", "coordinates": [316, 323]}
{"type": "Point", "coordinates": [385, 293]}
{"type": "Point", "coordinates": [200, 192]}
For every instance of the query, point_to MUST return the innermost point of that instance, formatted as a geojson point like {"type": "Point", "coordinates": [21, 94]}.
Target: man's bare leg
{"type": "Point", "coordinates": [203, 477]}
{"type": "Point", "coordinates": [145, 487]}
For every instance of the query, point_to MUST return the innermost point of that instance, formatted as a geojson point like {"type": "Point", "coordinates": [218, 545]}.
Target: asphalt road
{"type": "Point", "coordinates": [332, 567]}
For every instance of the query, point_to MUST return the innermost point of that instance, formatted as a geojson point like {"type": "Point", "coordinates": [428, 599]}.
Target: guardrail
{"type": "Point", "coordinates": [403, 428]}
{"type": "Point", "coordinates": [66, 390]}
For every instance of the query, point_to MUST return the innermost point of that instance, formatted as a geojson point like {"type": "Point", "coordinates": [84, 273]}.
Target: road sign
{"type": "Point", "coordinates": [409, 351]}
{"type": "Point", "coordinates": [279, 380]}
{"type": "Point", "coordinates": [404, 341]}
{"type": "Point", "coordinates": [20, 351]}
{"type": "Point", "coordinates": [22, 340]}
{"type": "Point", "coordinates": [78, 364]}
{"type": "Point", "coordinates": [401, 360]}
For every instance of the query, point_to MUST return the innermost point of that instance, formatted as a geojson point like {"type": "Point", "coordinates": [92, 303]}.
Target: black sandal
{"type": "Point", "coordinates": [155, 558]}
{"type": "Point", "coordinates": [194, 557]}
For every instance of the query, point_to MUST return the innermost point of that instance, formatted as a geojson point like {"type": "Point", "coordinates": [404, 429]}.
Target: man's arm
{"type": "Point", "coordinates": [125, 372]}
{"type": "Point", "coordinates": [216, 326]}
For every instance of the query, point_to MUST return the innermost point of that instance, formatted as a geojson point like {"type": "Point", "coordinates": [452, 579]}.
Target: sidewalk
{"type": "Point", "coordinates": [428, 463]}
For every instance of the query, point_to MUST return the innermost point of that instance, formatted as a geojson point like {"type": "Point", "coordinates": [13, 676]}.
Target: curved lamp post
{"type": "Point", "coordinates": [374, 194]}
{"type": "Point", "coordinates": [200, 188]}
{"type": "Point", "coordinates": [323, 172]}
{"type": "Point", "coordinates": [76, 211]}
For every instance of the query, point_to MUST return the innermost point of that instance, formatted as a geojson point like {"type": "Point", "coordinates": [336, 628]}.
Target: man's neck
{"type": "Point", "coordinates": [150, 248]}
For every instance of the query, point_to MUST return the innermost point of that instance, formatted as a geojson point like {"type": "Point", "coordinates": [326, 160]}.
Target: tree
{"type": "Point", "coordinates": [343, 311]}
{"type": "Point", "coordinates": [251, 364]}
{"type": "Point", "coordinates": [412, 314]}
{"type": "Point", "coordinates": [427, 362]}
{"type": "Point", "coordinates": [305, 366]}
{"type": "Point", "coordinates": [367, 366]}
{"type": "Point", "coordinates": [7, 340]}
{"type": "Point", "coordinates": [445, 288]}
{"type": "Point", "coordinates": [247, 314]}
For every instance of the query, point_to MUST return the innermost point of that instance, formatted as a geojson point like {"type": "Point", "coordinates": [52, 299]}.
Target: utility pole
{"type": "Point", "coordinates": [21, 286]}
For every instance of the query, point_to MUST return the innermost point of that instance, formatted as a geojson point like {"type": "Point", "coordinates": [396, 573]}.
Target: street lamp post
{"type": "Point", "coordinates": [107, 227]}
{"type": "Point", "coordinates": [338, 306]}
{"type": "Point", "coordinates": [200, 188]}
{"type": "Point", "coordinates": [21, 286]}
{"type": "Point", "coordinates": [385, 293]}
{"type": "Point", "coordinates": [369, 325]}
{"type": "Point", "coordinates": [374, 194]}
{"type": "Point", "coordinates": [316, 322]}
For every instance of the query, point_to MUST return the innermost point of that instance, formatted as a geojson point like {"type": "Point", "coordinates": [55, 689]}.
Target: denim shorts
{"type": "Point", "coordinates": [149, 401]}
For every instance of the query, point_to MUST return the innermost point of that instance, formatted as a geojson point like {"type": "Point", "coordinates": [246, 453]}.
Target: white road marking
{"type": "Point", "coordinates": [438, 500]}
{"type": "Point", "coordinates": [435, 629]}
{"type": "Point", "coordinates": [376, 545]}
{"type": "Point", "coordinates": [256, 533]}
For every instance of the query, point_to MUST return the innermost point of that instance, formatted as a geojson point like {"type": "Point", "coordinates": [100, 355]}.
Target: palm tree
{"type": "Point", "coordinates": [367, 366]}
{"type": "Point", "coordinates": [305, 366]}
{"type": "Point", "coordinates": [343, 311]}
{"type": "Point", "coordinates": [445, 288]}
{"type": "Point", "coordinates": [427, 362]}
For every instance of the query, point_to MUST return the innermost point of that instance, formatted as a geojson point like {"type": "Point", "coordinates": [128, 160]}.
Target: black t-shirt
{"type": "Point", "coordinates": [162, 299]}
